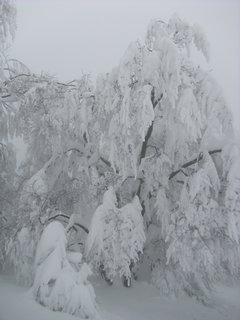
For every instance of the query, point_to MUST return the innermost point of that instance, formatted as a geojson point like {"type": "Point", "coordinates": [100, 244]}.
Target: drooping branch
{"type": "Point", "coordinates": [107, 163]}
{"type": "Point", "coordinates": [67, 217]}
{"type": "Point", "coordinates": [183, 172]}
{"type": "Point", "coordinates": [72, 149]}
{"type": "Point", "coordinates": [18, 75]}
{"type": "Point", "coordinates": [66, 84]}
{"type": "Point", "coordinates": [81, 226]}
{"type": "Point", "coordinates": [132, 177]}
{"type": "Point", "coordinates": [189, 163]}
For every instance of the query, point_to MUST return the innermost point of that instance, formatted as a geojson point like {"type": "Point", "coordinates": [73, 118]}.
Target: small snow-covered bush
{"type": "Point", "coordinates": [57, 284]}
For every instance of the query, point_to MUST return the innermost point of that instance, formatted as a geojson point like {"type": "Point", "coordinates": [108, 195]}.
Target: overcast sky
{"type": "Point", "coordinates": [67, 38]}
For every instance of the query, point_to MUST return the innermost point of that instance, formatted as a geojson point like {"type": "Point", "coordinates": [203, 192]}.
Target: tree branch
{"type": "Point", "coordinates": [72, 149]}
{"type": "Point", "coordinates": [106, 162]}
{"type": "Point", "coordinates": [79, 151]}
{"type": "Point", "coordinates": [145, 143]}
{"type": "Point", "coordinates": [150, 129]}
{"type": "Point", "coordinates": [18, 75]}
{"type": "Point", "coordinates": [189, 163]}
{"type": "Point", "coordinates": [67, 217]}
{"type": "Point", "coordinates": [66, 84]}
{"type": "Point", "coordinates": [82, 226]}
{"type": "Point", "coordinates": [132, 177]}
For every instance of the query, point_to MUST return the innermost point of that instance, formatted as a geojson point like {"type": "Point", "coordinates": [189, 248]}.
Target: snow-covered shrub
{"type": "Point", "coordinates": [20, 252]}
{"type": "Point", "coordinates": [116, 236]}
{"type": "Point", "coordinates": [230, 253]}
{"type": "Point", "coordinates": [57, 284]}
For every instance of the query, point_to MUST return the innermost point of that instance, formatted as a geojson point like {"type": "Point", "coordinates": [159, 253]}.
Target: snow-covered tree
{"type": "Point", "coordinates": [230, 204]}
{"type": "Point", "coordinates": [156, 126]}
{"type": "Point", "coordinates": [7, 31]}
{"type": "Point", "coordinates": [191, 234]}
{"type": "Point", "coordinates": [20, 251]}
{"type": "Point", "coordinates": [116, 236]}
{"type": "Point", "coordinates": [57, 284]}
{"type": "Point", "coordinates": [52, 119]}
{"type": "Point", "coordinates": [7, 153]}
{"type": "Point", "coordinates": [158, 111]}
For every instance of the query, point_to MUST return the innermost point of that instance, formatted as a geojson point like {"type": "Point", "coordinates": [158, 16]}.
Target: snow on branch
{"type": "Point", "coordinates": [189, 163]}
{"type": "Point", "coordinates": [150, 129]}
{"type": "Point", "coordinates": [67, 217]}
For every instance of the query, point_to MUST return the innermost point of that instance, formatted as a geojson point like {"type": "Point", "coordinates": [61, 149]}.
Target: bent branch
{"type": "Point", "coordinates": [189, 163]}
{"type": "Point", "coordinates": [67, 217]}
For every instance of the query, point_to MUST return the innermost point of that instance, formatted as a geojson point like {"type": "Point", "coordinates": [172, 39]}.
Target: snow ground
{"type": "Point", "coordinates": [141, 302]}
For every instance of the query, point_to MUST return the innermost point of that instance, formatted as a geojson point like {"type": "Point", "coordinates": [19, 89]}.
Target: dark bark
{"type": "Point", "coordinates": [106, 162]}
{"type": "Point", "coordinates": [189, 163]}
{"type": "Point", "coordinates": [150, 129]}
{"type": "Point", "coordinates": [145, 144]}
{"type": "Point", "coordinates": [67, 217]}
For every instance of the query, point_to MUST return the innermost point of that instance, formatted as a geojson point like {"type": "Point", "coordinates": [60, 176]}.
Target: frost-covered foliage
{"type": "Point", "coordinates": [181, 113]}
{"type": "Point", "coordinates": [52, 119]}
{"type": "Point", "coordinates": [7, 29]}
{"type": "Point", "coordinates": [156, 126]}
{"type": "Point", "coordinates": [7, 153]}
{"type": "Point", "coordinates": [231, 208]}
{"type": "Point", "coordinates": [192, 230]}
{"type": "Point", "coordinates": [20, 252]}
{"type": "Point", "coordinates": [57, 284]}
{"type": "Point", "coordinates": [201, 233]}
{"type": "Point", "coordinates": [116, 236]}
{"type": "Point", "coordinates": [231, 167]}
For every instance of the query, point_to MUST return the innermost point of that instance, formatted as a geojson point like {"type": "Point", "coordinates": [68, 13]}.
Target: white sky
{"type": "Point", "coordinates": [69, 37]}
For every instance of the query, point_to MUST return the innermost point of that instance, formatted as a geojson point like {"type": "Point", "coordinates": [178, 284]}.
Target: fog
{"type": "Point", "coordinates": [68, 38]}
